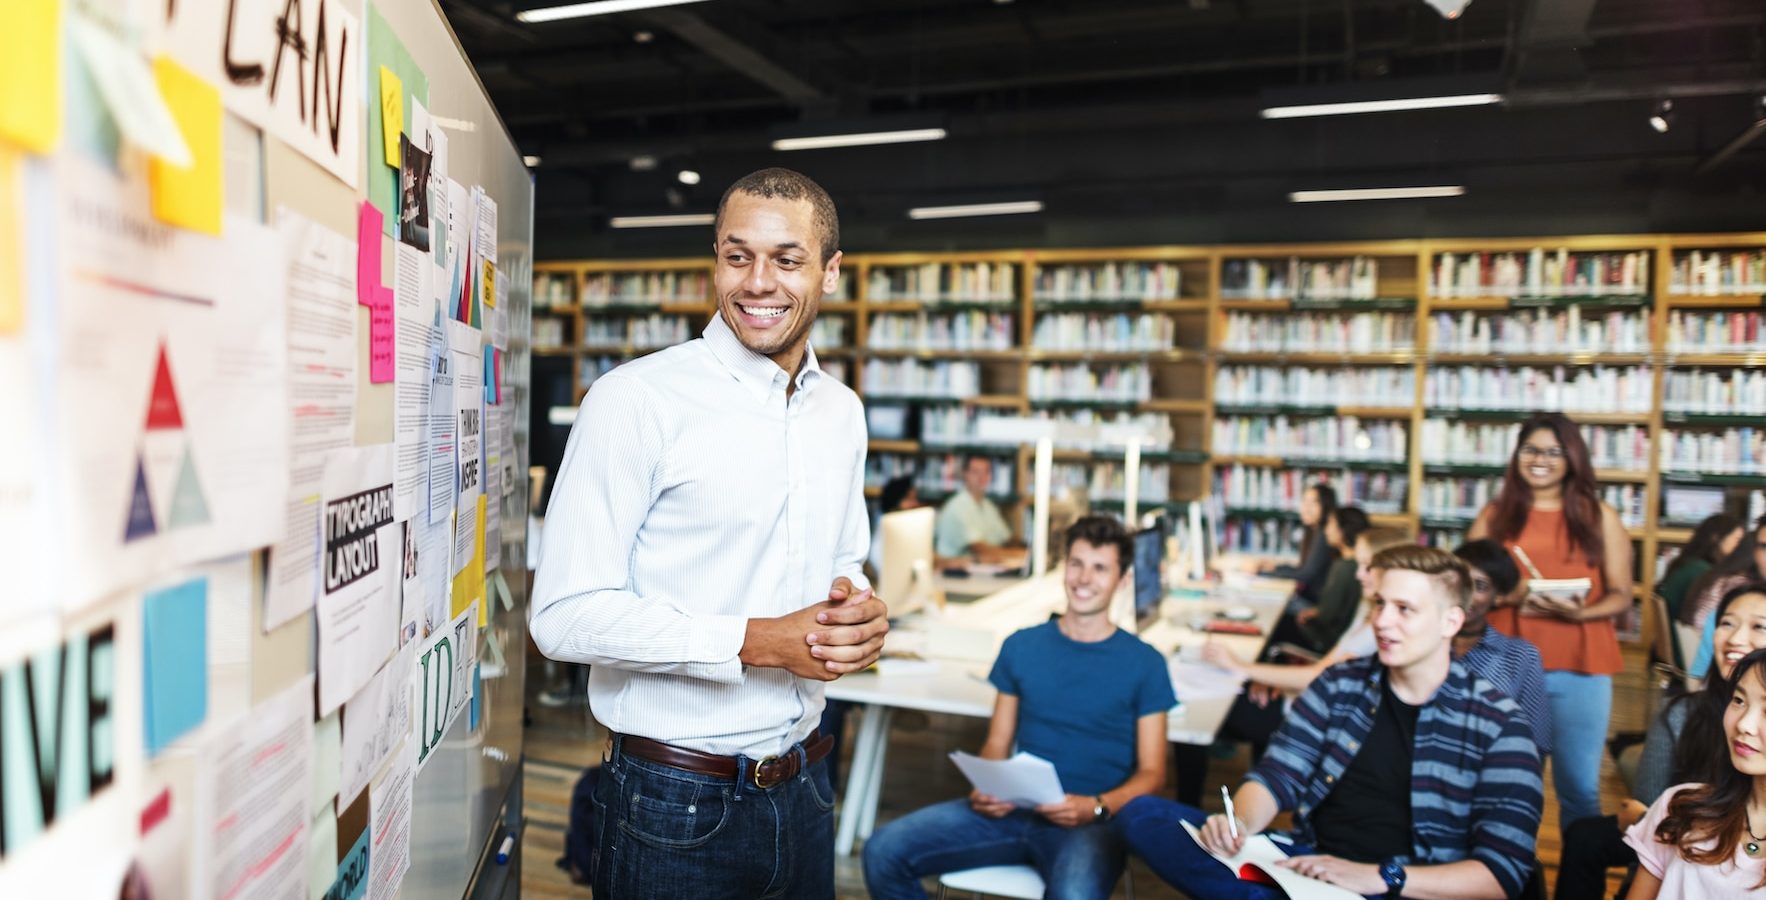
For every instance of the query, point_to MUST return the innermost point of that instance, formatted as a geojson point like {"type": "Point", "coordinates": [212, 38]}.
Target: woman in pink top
{"type": "Point", "coordinates": [1709, 840]}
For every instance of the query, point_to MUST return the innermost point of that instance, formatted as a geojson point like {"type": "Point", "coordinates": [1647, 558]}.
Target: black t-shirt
{"type": "Point", "coordinates": [1366, 817]}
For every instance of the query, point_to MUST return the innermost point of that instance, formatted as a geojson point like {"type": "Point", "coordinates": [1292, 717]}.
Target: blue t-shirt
{"type": "Point", "coordinates": [1078, 703]}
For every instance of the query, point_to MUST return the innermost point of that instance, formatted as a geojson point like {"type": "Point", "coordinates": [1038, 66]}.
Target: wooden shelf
{"type": "Point", "coordinates": [1301, 462]}
{"type": "Point", "coordinates": [1571, 358]}
{"type": "Point", "coordinates": [928, 353]}
{"type": "Point", "coordinates": [840, 306]}
{"type": "Point", "coordinates": [1360, 412]}
{"type": "Point", "coordinates": [1622, 476]}
{"type": "Point", "coordinates": [1715, 359]}
{"type": "Point", "coordinates": [1105, 356]}
{"type": "Point", "coordinates": [1175, 406]}
{"type": "Point", "coordinates": [1673, 535]}
{"type": "Point", "coordinates": [1516, 415]}
{"type": "Point", "coordinates": [1387, 357]}
{"type": "Point", "coordinates": [1714, 301]}
{"type": "Point", "coordinates": [894, 446]}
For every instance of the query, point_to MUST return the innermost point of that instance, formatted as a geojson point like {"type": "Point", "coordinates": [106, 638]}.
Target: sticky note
{"type": "Point", "coordinates": [174, 662]}
{"type": "Point", "coordinates": [30, 74]}
{"type": "Point", "coordinates": [392, 113]}
{"type": "Point", "coordinates": [469, 583]}
{"type": "Point", "coordinates": [130, 92]}
{"type": "Point", "coordinates": [488, 284]}
{"type": "Point", "coordinates": [382, 335]}
{"type": "Point", "coordinates": [368, 225]}
{"type": "Point", "coordinates": [189, 196]}
{"type": "Point", "coordinates": [12, 301]}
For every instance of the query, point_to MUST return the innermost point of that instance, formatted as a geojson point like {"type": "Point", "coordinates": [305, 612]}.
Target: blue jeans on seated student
{"type": "Point", "coordinates": [665, 833]}
{"type": "Point", "coordinates": [1153, 828]}
{"type": "Point", "coordinates": [1075, 863]}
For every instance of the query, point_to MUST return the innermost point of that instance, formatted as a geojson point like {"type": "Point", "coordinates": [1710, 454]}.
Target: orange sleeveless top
{"type": "Point", "coordinates": [1591, 648]}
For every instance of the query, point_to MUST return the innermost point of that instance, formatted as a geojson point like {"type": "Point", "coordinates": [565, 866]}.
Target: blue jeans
{"type": "Point", "coordinates": [665, 833]}
{"type": "Point", "coordinates": [1580, 706]}
{"type": "Point", "coordinates": [1153, 828]}
{"type": "Point", "coordinates": [1076, 863]}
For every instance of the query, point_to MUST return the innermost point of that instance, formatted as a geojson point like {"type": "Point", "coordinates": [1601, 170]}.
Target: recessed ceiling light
{"type": "Point", "coordinates": [643, 163]}
{"type": "Point", "coordinates": [1663, 117]}
{"type": "Point", "coordinates": [595, 8]}
{"type": "Point", "coordinates": [687, 176]}
{"type": "Point", "coordinates": [662, 221]}
{"type": "Point", "coordinates": [644, 37]}
{"type": "Point", "coordinates": [975, 209]}
{"type": "Point", "coordinates": [859, 139]}
{"type": "Point", "coordinates": [1373, 106]}
{"type": "Point", "coordinates": [530, 161]}
{"type": "Point", "coordinates": [1386, 193]}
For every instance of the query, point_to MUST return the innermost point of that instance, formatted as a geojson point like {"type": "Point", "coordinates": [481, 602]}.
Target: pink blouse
{"type": "Point", "coordinates": [1681, 878]}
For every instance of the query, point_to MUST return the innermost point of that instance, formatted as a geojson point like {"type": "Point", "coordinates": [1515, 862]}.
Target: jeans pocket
{"type": "Point", "coordinates": [673, 813]}
{"type": "Point", "coordinates": [821, 788]}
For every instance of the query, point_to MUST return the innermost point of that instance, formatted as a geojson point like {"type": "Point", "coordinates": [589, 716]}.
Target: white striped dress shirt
{"type": "Point", "coordinates": [692, 497]}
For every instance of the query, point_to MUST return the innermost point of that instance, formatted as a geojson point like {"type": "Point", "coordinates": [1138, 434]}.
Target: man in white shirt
{"type": "Point", "coordinates": [969, 524]}
{"type": "Point", "coordinates": [703, 553]}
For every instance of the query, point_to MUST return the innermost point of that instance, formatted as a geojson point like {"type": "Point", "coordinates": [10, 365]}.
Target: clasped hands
{"type": "Point", "coordinates": [838, 636]}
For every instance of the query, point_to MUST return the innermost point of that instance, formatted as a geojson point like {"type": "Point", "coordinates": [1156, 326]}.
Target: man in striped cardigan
{"type": "Point", "coordinates": [1462, 825]}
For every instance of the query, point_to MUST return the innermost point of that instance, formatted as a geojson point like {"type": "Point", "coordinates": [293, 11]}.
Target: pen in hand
{"type": "Point", "coordinates": [1232, 821]}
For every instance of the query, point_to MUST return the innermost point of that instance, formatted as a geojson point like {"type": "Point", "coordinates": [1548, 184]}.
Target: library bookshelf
{"type": "Point", "coordinates": [1397, 370]}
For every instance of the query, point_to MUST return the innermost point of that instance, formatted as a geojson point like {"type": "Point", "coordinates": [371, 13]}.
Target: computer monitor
{"type": "Point", "coordinates": [907, 553]}
{"type": "Point", "coordinates": [1149, 568]}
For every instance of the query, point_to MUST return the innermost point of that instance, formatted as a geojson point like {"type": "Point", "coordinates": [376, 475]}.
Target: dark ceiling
{"type": "Point", "coordinates": [1135, 122]}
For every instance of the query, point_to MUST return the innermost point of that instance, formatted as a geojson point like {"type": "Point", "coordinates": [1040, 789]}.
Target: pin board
{"type": "Point", "coordinates": [264, 312]}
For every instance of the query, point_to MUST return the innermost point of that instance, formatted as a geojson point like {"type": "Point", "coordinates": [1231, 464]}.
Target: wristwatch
{"type": "Point", "coordinates": [1392, 872]}
{"type": "Point", "coordinates": [1099, 812]}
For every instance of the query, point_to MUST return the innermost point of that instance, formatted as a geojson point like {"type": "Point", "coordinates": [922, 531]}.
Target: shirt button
{"type": "Point", "coordinates": [1330, 779]}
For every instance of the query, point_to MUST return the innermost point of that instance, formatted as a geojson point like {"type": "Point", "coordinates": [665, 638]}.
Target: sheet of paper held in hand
{"type": "Point", "coordinates": [1260, 855]}
{"type": "Point", "coordinates": [1025, 779]}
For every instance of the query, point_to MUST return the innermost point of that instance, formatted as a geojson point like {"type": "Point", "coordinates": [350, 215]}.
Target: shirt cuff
{"type": "Point", "coordinates": [715, 643]}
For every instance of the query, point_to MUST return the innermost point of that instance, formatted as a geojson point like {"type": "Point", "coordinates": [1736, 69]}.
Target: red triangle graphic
{"type": "Point", "coordinates": [162, 408]}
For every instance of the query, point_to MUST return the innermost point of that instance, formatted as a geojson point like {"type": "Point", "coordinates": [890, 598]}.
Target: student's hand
{"type": "Point", "coordinates": [1262, 694]}
{"type": "Point", "coordinates": [1222, 656]}
{"type": "Point", "coordinates": [1359, 878]}
{"type": "Point", "coordinates": [1306, 615]}
{"type": "Point", "coordinates": [858, 621]}
{"type": "Point", "coordinates": [1542, 605]}
{"type": "Point", "coordinates": [989, 805]}
{"type": "Point", "coordinates": [1073, 811]}
{"type": "Point", "coordinates": [1217, 835]}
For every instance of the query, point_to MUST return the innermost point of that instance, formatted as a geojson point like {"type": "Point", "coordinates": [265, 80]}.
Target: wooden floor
{"type": "Point", "coordinates": [561, 742]}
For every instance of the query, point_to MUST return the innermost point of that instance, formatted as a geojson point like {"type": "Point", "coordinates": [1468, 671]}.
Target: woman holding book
{"type": "Point", "coordinates": [1575, 556]}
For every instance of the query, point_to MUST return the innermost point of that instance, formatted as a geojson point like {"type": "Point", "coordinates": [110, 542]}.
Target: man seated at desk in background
{"type": "Point", "coordinates": [1463, 824]}
{"type": "Point", "coordinates": [1078, 692]}
{"type": "Point", "coordinates": [970, 524]}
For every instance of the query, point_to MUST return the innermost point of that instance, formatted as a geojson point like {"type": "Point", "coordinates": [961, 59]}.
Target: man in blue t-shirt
{"type": "Point", "coordinates": [1079, 693]}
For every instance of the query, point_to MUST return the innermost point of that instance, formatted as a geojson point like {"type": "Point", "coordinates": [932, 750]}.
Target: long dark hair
{"type": "Point", "coordinates": [1705, 540]}
{"type": "Point", "coordinates": [1740, 561]}
{"type": "Point", "coordinates": [1327, 505]}
{"type": "Point", "coordinates": [1351, 522]}
{"type": "Point", "coordinates": [1702, 749]}
{"type": "Point", "coordinates": [1582, 518]}
{"type": "Point", "coordinates": [1717, 809]}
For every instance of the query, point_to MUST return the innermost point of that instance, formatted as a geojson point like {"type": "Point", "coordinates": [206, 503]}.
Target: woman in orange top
{"type": "Point", "coordinates": [1549, 514]}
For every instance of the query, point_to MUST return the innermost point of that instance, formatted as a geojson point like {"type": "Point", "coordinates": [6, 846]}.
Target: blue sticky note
{"type": "Point", "coordinates": [174, 662]}
{"type": "Point", "coordinates": [472, 706]}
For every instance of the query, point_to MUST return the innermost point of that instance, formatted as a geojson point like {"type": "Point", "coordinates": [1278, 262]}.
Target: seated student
{"type": "Point", "coordinates": [1462, 825]}
{"type": "Point", "coordinates": [1684, 743]}
{"type": "Point", "coordinates": [1745, 564]}
{"type": "Point", "coordinates": [1316, 503]}
{"type": "Point", "coordinates": [1079, 693]}
{"type": "Point", "coordinates": [1322, 625]}
{"type": "Point", "coordinates": [1709, 839]}
{"type": "Point", "coordinates": [1511, 664]}
{"type": "Point", "coordinates": [1713, 541]}
{"type": "Point", "coordinates": [970, 524]}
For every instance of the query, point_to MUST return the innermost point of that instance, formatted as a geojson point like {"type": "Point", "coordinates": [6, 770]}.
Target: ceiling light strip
{"type": "Point", "coordinates": [1388, 193]}
{"type": "Point", "coordinates": [860, 139]}
{"type": "Point", "coordinates": [1374, 106]}
{"type": "Point", "coordinates": [662, 221]}
{"type": "Point", "coordinates": [976, 209]}
{"type": "Point", "coordinates": [596, 8]}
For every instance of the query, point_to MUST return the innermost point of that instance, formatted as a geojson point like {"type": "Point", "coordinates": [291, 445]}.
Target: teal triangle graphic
{"type": "Point", "coordinates": [140, 523]}
{"type": "Point", "coordinates": [188, 505]}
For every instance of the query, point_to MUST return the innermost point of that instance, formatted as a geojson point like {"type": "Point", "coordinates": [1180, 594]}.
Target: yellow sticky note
{"type": "Point", "coordinates": [392, 113]}
{"type": "Point", "coordinates": [469, 584]}
{"type": "Point", "coordinates": [30, 74]}
{"type": "Point", "coordinates": [488, 284]}
{"type": "Point", "coordinates": [12, 305]}
{"type": "Point", "coordinates": [189, 197]}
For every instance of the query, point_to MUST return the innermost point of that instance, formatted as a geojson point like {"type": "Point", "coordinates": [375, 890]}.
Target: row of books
{"type": "Point", "coordinates": [1594, 389]}
{"type": "Point", "coordinates": [828, 332]}
{"type": "Point", "coordinates": [640, 332]}
{"type": "Point", "coordinates": [981, 282]}
{"type": "Point", "coordinates": [1268, 488]}
{"type": "Point", "coordinates": [1458, 442]}
{"type": "Point", "coordinates": [1259, 536]}
{"type": "Point", "coordinates": [1344, 438]}
{"type": "Point", "coordinates": [968, 330]}
{"type": "Point", "coordinates": [1541, 272]}
{"type": "Point", "coordinates": [553, 290]}
{"type": "Point", "coordinates": [1714, 391]}
{"type": "Point", "coordinates": [1717, 272]}
{"type": "Point", "coordinates": [1294, 278]}
{"type": "Point", "coordinates": [1732, 451]}
{"type": "Point", "coordinates": [917, 378]}
{"type": "Point", "coordinates": [594, 367]}
{"type": "Point", "coordinates": [1542, 331]}
{"type": "Point", "coordinates": [1283, 386]}
{"type": "Point", "coordinates": [548, 333]}
{"type": "Point", "coordinates": [1715, 332]}
{"type": "Point", "coordinates": [1360, 332]}
{"type": "Point", "coordinates": [645, 288]}
{"type": "Point", "coordinates": [1464, 497]}
{"type": "Point", "coordinates": [1107, 481]}
{"type": "Point", "coordinates": [837, 370]}
{"type": "Point", "coordinates": [1105, 333]}
{"type": "Point", "coordinates": [936, 475]}
{"type": "Point", "coordinates": [1109, 281]}
{"type": "Point", "coordinates": [1119, 383]}
{"type": "Point", "coordinates": [958, 425]}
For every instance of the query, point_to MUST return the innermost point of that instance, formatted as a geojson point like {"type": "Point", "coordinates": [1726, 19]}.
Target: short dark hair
{"type": "Point", "coordinates": [895, 490]}
{"type": "Point", "coordinates": [787, 184]}
{"type": "Point", "coordinates": [1103, 531]}
{"type": "Point", "coordinates": [1446, 570]}
{"type": "Point", "coordinates": [1489, 557]}
{"type": "Point", "coordinates": [1351, 522]}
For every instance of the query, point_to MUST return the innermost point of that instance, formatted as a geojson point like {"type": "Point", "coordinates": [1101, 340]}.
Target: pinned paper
{"type": "Point", "coordinates": [503, 595]}
{"type": "Point", "coordinates": [487, 284]}
{"type": "Point", "coordinates": [131, 92]}
{"type": "Point", "coordinates": [369, 222]}
{"type": "Point", "coordinates": [392, 113]}
{"type": "Point", "coordinates": [189, 196]}
{"type": "Point", "coordinates": [469, 583]}
{"type": "Point", "coordinates": [382, 336]}
{"type": "Point", "coordinates": [30, 75]}
{"type": "Point", "coordinates": [386, 52]}
{"type": "Point", "coordinates": [12, 301]}
{"type": "Point", "coordinates": [174, 662]}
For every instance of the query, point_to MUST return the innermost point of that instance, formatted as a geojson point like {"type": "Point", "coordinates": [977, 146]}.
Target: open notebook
{"type": "Point", "coordinates": [1256, 861]}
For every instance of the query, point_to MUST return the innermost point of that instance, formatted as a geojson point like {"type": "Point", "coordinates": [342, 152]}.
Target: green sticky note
{"type": "Point", "coordinates": [386, 50]}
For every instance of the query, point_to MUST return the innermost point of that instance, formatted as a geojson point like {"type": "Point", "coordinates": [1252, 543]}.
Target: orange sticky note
{"type": "Point", "coordinates": [30, 74]}
{"type": "Point", "coordinates": [189, 196]}
{"type": "Point", "coordinates": [12, 305]}
{"type": "Point", "coordinates": [392, 113]}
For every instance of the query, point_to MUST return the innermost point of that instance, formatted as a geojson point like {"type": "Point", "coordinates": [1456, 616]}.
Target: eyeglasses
{"type": "Point", "coordinates": [1482, 585]}
{"type": "Point", "coordinates": [1555, 454]}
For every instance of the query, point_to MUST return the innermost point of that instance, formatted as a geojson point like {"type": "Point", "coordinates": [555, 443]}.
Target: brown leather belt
{"type": "Point", "coordinates": [766, 773]}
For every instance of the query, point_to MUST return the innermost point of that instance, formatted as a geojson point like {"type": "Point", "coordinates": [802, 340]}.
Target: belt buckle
{"type": "Point", "coordinates": [761, 766]}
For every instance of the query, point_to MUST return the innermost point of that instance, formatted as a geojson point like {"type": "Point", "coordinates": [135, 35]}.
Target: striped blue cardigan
{"type": "Point", "coordinates": [1475, 790]}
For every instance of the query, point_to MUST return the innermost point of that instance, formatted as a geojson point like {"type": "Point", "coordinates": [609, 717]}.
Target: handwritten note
{"type": "Point", "coordinates": [382, 337]}
{"type": "Point", "coordinates": [392, 113]}
{"type": "Point", "coordinates": [30, 74]}
{"type": "Point", "coordinates": [189, 196]}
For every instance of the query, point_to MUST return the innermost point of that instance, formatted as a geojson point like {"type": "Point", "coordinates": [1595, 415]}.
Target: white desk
{"type": "Point", "coordinates": [958, 686]}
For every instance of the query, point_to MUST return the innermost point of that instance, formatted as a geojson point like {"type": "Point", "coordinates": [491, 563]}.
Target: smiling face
{"type": "Point", "coordinates": [1310, 508]}
{"type": "Point", "coordinates": [1744, 722]}
{"type": "Point", "coordinates": [1414, 618]}
{"type": "Point", "coordinates": [1740, 631]}
{"type": "Point", "coordinates": [1541, 460]}
{"type": "Point", "coordinates": [1092, 575]}
{"type": "Point", "coordinates": [769, 277]}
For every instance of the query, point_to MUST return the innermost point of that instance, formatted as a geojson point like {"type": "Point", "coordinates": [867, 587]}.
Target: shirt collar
{"type": "Point", "coordinates": [756, 372]}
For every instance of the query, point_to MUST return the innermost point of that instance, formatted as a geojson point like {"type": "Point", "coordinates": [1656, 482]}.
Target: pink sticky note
{"type": "Point", "coordinates": [381, 336]}
{"type": "Point", "coordinates": [368, 227]}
